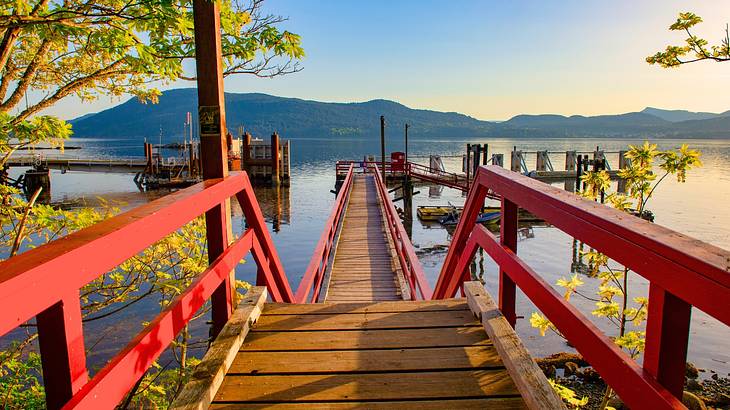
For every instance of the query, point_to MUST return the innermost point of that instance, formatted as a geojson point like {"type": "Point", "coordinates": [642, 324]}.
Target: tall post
{"type": "Point", "coordinates": [213, 150]}
{"type": "Point", "coordinates": [516, 160]}
{"type": "Point", "coordinates": [475, 165]}
{"type": "Point", "coordinates": [485, 153]}
{"type": "Point", "coordinates": [468, 165]}
{"type": "Point", "coordinates": [275, 159]}
{"type": "Point", "coordinates": [382, 147]}
{"type": "Point", "coordinates": [246, 152]}
{"type": "Point", "coordinates": [406, 145]}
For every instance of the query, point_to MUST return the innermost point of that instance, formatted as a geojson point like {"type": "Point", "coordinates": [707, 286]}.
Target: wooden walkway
{"type": "Point", "coordinates": [366, 347]}
{"type": "Point", "coordinates": [377, 355]}
{"type": "Point", "coordinates": [364, 267]}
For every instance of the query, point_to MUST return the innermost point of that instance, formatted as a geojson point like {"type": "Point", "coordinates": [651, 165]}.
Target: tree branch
{"type": "Point", "coordinates": [70, 88]}
{"type": "Point", "coordinates": [27, 78]}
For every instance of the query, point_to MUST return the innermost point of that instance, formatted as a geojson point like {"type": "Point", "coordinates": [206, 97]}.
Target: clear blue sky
{"type": "Point", "coordinates": [493, 59]}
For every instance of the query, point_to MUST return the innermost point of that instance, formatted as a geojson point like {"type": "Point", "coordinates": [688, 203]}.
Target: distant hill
{"type": "Point", "coordinates": [558, 125]}
{"type": "Point", "coordinates": [263, 114]}
{"type": "Point", "coordinates": [294, 118]}
{"type": "Point", "coordinates": [682, 115]}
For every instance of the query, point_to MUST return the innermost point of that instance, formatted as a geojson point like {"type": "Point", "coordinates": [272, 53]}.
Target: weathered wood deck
{"type": "Point", "coordinates": [364, 267]}
{"type": "Point", "coordinates": [374, 355]}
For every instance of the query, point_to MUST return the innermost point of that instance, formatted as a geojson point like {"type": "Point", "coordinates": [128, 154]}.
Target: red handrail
{"type": "Point", "coordinates": [409, 263]}
{"type": "Point", "coordinates": [317, 267]}
{"type": "Point", "coordinates": [45, 282]}
{"type": "Point", "coordinates": [682, 272]}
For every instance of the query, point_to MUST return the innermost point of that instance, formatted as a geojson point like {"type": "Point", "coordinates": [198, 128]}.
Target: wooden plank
{"type": "Point", "coordinates": [208, 376]}
{"type": "Point", "coordinates": [399, 320]}
{"type": "Point", "coordinates": [530, 380]}
{"type": "Point", "coordinates": [452, 358]}
{"type": "Point", "coordinates": [366, 339]}
{"type": "Point", "coordinates": [510, 403]}
{"type": "Point", "coordinates": [355, 298]}
{"type": "Point", "coordinates": [377, 386]}
{"type": "Point", "coordinates": [328, 308]}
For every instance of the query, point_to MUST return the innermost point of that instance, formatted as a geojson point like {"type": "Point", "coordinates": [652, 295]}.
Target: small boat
{"type": "Point", "coordinates": [485, 218]}
{"type": "Point", "coordinates": [436, 213]}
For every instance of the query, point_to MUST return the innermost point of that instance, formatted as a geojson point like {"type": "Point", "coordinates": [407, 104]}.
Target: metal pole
{"type": "Point", "coordinates": [406, 143]}
{"type": "Point", "coordinates": [382, 146]}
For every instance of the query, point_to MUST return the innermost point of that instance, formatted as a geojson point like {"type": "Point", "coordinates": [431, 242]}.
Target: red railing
{"type": "Point", "coordinates": [314, 275]}
{"type": "Point", "coordinates": [418, 171]}
{"type": "Point", "coordinates": [682, 272]}
{"type": "Point", "coordinates": [45, 283]}
{"type": "Point", "coordinates": [428, 174]}
{"type": "Point", "coordinates": [409, 263]}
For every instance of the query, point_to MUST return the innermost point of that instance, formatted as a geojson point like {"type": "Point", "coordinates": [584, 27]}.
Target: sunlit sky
{"type": "Point", "coordinates": [492, 59]}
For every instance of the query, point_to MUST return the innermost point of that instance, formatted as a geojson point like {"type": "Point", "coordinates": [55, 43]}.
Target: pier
{"type": "Point", "coordinates": [364, 328]}
{"type": "Point", "coordinates": [419, 348]}
{"type": "Point", "coordinates": [364, 267]}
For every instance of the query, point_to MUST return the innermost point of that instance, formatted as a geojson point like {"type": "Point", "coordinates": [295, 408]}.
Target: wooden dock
{"type": "Point", "coordinates": [367, 347]}
{"type": "Point", "coordinates": [364, 268]}
{"type": "Point", "coordinates": [374, 355]}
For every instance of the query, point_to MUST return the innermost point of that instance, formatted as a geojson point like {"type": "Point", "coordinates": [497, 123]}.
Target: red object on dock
{"type": "Point", "coordinates": [682, 272]}
{"type": "Point", "coordinates": [397, 161]}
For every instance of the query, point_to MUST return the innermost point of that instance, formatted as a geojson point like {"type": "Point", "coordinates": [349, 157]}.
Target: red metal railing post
{"type": "Point", "coordinates": [667, 336]}
{"type": "Point", "coordinates": [216, 221]}
{"type": "Point", "coordinates": [508, 239]}
{"type": "Point", "coordinates": [63, 357]}
{"type": "Point", "coordinates": [448, 280]}
{"type": "Point", "coordinates": [268, 261]}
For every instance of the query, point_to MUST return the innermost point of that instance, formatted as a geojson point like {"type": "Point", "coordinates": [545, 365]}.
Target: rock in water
{"type": "Point", "coordinates": [691, 371]}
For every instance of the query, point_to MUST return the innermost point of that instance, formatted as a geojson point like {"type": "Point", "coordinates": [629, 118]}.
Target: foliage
{"type": "Point", "coordinates": [695, 49]}
{"type": "Point", "coordinates": [117, 47]}
{"type": "Point", "coordinates": [611, 298]}
{"type": "Point", "coordinates": [158, 274]}
{"type": "Point", "coordinates": [568, 395]}
{"type": "Point", "coordinates": [19, 378]}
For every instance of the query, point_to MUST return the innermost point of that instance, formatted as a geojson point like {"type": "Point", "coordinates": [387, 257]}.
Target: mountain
{"type": "Point", "coordinates": [558, 125]}
{"type": "Point", "coordinates": [682, 115]}
{"type": "Point", "coordinates": [294, 118]}
{"type": "Point", "coordinates": [263, 114]}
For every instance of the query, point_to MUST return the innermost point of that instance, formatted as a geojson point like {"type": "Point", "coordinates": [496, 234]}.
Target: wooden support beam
{"type": "Point", "coordinates": [213, 147]}
{"type": "Point", "coordinates": [198, 393]}
{"type": "Point", "coordinates": [530, 380]}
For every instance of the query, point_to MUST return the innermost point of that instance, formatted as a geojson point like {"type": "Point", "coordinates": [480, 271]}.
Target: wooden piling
{"type": "Point", "coordinates": [570, 160]}
{"type": "Point", "coordinates": [541, 161]}
{"type": "Point", "coordinates": [516, 163]}
{"type": "Point", "coordinates": [275, 163]}
{"type": "Point", "coordinates": [246, 152]}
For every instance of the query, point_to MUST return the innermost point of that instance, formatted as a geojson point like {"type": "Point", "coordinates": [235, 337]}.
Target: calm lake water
{"type": "Point", "coordinates": [697, 208]}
